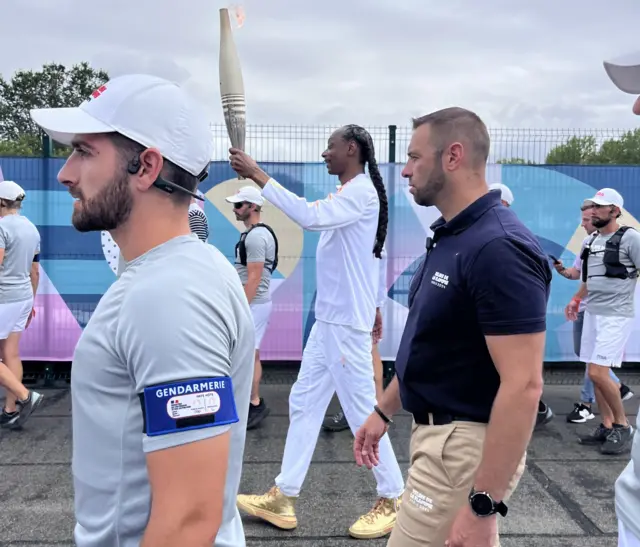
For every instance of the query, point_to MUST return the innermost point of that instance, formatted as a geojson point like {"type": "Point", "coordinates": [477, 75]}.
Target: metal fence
{"type": "Point", "coordinates": [301, 143]}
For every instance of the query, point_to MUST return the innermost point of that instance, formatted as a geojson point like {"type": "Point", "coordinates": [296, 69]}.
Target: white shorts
{"type": "Point", "coordinates": [261, 314]}
{"type": "Point", "coordinates": [604, 338]}
{"type": "Point", "coordinates": [13, 317]}
{"type": "Point", "coordinates": [626, 538]}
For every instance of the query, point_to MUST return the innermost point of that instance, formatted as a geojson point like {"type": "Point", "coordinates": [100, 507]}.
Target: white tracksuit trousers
{"type": "Point", "coordinates": [338, 359]}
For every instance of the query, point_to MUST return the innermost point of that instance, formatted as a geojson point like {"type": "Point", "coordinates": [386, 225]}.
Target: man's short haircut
{"type": "Point", "coordinates": [128, 149]}
{"type": "Point", "coordinates": [458, 124]}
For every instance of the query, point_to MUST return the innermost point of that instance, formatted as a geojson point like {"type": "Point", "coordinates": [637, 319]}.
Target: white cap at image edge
{"type": "Point", "coordinates": [10, 190]}
{"type": "Point", "coordinates": [607, 196]}
{"type": "Point", "coordinates": [149, 110]}
{"type": "Point", "coordinates": [505, 193]}
{"type": "Point", "coordinates": [625, 72]}
{"type": "Point", "coordinates": [249, 194]}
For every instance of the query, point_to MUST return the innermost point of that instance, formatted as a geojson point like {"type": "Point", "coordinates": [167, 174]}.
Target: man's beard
{"type": "Point", "coordinates": [426, 196]}
{"type": "Point", "coordinates": [600, 222]}
{"type": "Point", "coordinates": [108, 210]}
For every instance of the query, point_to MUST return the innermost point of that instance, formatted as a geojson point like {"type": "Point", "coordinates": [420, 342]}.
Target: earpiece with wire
{"type": "Point", "coordinates": [167, 186]}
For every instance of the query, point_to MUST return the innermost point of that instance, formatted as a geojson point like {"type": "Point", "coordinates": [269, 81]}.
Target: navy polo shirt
{"type": "Point", "coordinates": [485, 274]}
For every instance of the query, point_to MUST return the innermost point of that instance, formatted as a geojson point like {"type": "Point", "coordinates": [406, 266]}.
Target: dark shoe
{"type": "Point", "coordinates": [619, 440]}
{"type": "Point", "coordinates": [335, 423]}
{"type": "Point", "coordinates": [596, 436]}
{"type": "Point", "coordinates": [625, 392]}
{"type": "Point", "coordinates": [257, 413]}
{"type": "Point", "coordinates": [580, 414]}
{"type": "Point", "coordinates": [28, 407]}
{"type": "Point", "coordinates": [8, 419]}
{"type": "Point", "coordinates": [545, 414]}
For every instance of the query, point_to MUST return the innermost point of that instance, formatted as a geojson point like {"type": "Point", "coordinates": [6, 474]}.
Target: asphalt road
{"type": "Point", "coordinates": [564, 499]}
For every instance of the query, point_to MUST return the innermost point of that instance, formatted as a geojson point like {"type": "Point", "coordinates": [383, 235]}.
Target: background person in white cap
{"type": "Point", "coordinates": [256, 258]}
{"type": "Point", "coordinates": [19, 275]}
{"type": "Point", "coordinates": [611, 259]}
{"type": "Point", "coordinates": [627, 77]}
{"type": "Point", "coordinates": [506, 195]}
{"type": "Point", "coordinates": [167, 355]}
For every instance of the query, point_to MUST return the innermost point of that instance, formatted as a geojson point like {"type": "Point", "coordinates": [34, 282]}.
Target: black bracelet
{"type": "Point", "coordinates": [382, 415]}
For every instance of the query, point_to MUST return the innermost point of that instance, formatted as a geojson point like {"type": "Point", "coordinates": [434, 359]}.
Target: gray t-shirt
{"type": "Point", "coordinates": [20, 240]}
{"type": "Point", "coordinates": [174, 327]}
{"type": "Point", "coordinates": [610, 296]}
{"type": "Point", "coordinates": [260, 247]}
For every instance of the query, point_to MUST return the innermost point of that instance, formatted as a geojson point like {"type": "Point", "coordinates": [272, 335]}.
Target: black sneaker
{"type": "Point", "coordinates": [596, 436]}
{"type": "Point", "coordinates": [8, 419]}
{"type": "Point", "coordinates": [618, 441]}
{"type": "Point", "coordinates": [545, 414]}
{"type": "Point", "coordinates": [335, 423]}
{"type": "Point", "coordinates": [257, 413]}
{"type": "Point", "coordinates": [28, 407]}
{"type": "Point", "coordinates": [625, 392]}
{"type": "Point", "coordinates": [580, 414]}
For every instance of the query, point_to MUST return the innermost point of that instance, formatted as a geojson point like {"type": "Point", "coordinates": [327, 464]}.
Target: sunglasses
{"type": "Point", "coordinates": [239, 205]}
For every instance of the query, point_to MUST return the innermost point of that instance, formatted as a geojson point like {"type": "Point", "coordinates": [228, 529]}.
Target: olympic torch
{"type": "Point", "coordinates": [231, 85]}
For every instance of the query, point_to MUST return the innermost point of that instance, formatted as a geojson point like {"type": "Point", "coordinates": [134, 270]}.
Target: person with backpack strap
{"type": "Point", "coordinates": [256, 258]}
{"type": "Point", "coordinates": [610, 261]}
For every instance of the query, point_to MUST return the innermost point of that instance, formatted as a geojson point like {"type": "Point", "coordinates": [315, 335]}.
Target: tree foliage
{"type": "Point", "coordinates": [52, 87]}
{"type": "Point", "coordinates": [585, 151]}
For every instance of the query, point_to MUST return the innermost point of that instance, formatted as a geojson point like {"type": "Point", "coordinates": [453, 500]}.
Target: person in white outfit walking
{"type": "Point", "coordinates": [337, 356]}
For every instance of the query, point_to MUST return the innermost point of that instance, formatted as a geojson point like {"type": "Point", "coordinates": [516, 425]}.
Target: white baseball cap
{"type": "Point", "coordinates": [149, 110]}
{"type": "Point", "coordinates": [607, 196]}
{"type": "Point", "coordinates": [625, 72]}
{"type": "Point", "coordinates": [250, 194]}
{"type": "Point", "coordinates": [10, 190]}
{"type": "Point", "coordinates": [505, 193]}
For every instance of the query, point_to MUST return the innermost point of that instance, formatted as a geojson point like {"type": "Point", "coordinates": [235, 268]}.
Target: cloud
{"type": "Point", "coordinates": [374, 62]}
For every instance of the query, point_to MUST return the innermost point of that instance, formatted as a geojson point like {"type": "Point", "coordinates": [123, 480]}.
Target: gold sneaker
{"type": "Point", "coordinates": [378, 522]}
{"type": "Point", "coordinates": [274, 507]}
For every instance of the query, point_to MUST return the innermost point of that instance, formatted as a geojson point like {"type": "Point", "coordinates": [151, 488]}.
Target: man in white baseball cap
{"type": "Point", "coordinates": [166, 357]}
{"type": "Point", "coordinates": [610, 267]}
{"type": "Point", "coordinates": [626, 75]}
{"type": "Point", "coordinates": [256, 258]}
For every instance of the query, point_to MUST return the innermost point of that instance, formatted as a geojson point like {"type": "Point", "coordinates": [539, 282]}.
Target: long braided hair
{"type": "Point", "coordinates": [367, 156]}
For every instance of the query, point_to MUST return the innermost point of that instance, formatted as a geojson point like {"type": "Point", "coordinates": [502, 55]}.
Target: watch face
{"type": "Point", "coordinates": [482, 504]}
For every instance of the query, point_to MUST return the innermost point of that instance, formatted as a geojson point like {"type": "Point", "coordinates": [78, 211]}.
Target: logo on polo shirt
{"type": "Point", "coordinates": [440, 280]}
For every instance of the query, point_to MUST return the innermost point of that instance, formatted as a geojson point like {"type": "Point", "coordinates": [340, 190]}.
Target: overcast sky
{"type": "Point", "coordinates": [535, 64]}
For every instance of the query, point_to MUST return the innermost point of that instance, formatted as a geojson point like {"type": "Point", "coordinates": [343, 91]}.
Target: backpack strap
{"type": "Point", "coordinates": [584, 256]}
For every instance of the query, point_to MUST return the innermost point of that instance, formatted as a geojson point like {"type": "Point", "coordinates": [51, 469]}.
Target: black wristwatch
{"type": "Point", "coordinates": [482, 504]}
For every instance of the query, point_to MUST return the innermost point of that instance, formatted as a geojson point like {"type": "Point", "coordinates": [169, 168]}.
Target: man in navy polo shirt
{"type": "Point", "coordinates": [469, 365]}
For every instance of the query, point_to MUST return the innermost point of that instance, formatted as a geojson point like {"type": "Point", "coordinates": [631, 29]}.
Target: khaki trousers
{"type": "Point", "coordinates": [444, 461]}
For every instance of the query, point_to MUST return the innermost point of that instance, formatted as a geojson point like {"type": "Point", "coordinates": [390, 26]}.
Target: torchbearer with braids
{"type": "Point", "coordinates": [337, 356]}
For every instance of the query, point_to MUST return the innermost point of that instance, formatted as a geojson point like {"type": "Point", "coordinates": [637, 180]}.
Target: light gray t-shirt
{"type": "Point", "coordinates": [610, 296]}
{"type": "Point", "coordinates": [176, 322]}
{"type": "Point", "coordinates": [261, 247]}
{"type": "Point", "coordinates": [20, 240]}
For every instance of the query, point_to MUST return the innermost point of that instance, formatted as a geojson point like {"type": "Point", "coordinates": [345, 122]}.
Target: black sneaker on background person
{"type": "Point", "coordinates": [257, 413]}
{"type": "Point", "coordinates": [545, 414]}
{"type": "Point", "coordinates": [8, 419]}
{"type": "Point", "coordinates": [596, 436]}
{"type": "Point", "coordinates": [580, 414]}
{"type": "Point", "coordinates": [618, 441]}
{"type": "Point", "coordinates": [15, 420]}
{"type": "Point", "coordinates": [335, 423]}
{"type": "Point", "coordinates": [625, 392]}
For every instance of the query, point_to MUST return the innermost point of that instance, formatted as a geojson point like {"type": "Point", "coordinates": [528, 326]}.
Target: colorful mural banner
{"type": "Point", "coordinates": [76, 269]}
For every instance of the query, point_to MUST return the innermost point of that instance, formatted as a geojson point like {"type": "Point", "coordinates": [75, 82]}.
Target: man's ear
{"type": "Point", "coordinates": [151, 164]}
